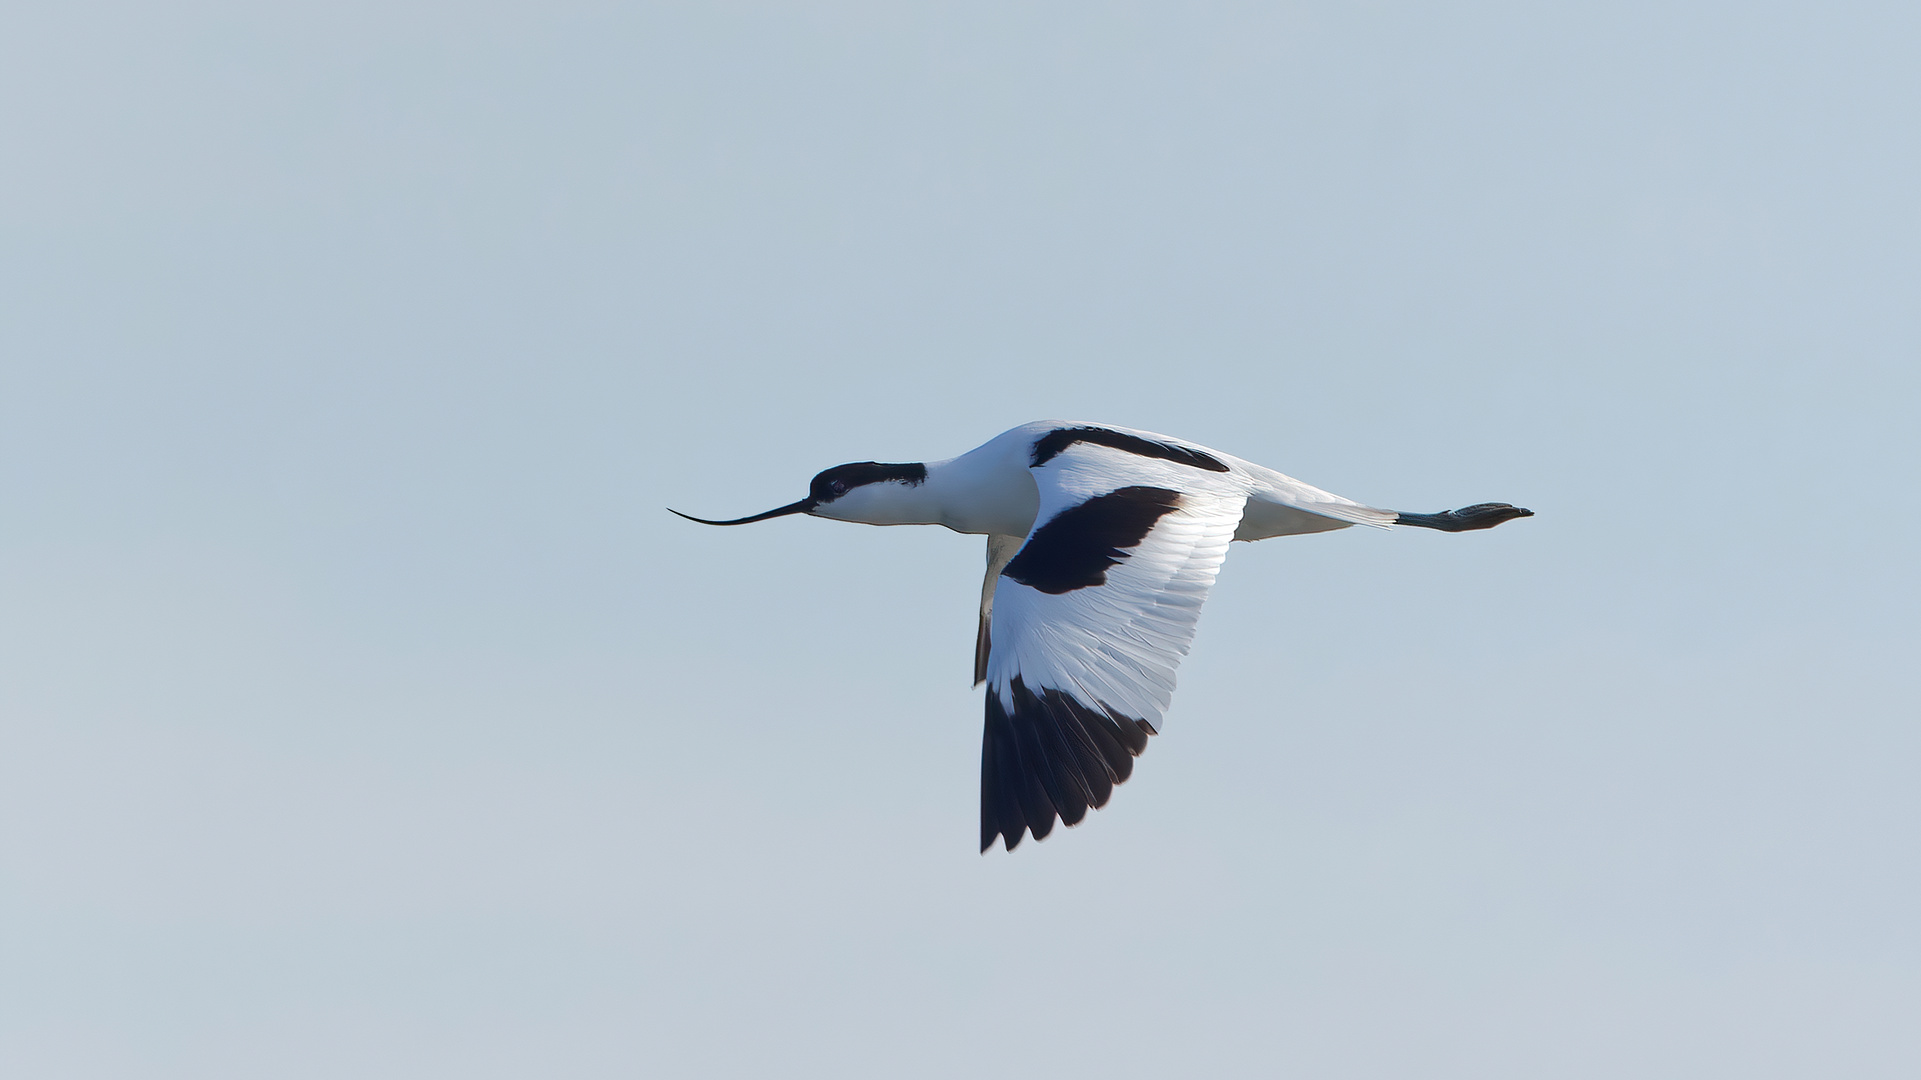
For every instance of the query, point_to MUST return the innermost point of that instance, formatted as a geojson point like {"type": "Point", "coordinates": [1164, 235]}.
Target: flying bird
{"type": "Point", "coordinates": [1102, 543]}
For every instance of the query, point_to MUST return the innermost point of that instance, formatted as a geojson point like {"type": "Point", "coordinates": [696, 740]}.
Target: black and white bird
{"type": "Point", "coordinates": [1102, 543]}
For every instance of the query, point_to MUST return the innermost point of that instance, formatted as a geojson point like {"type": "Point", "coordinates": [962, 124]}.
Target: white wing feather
{"type": "Point", "coordinates": [1116, 645]}
{"type": "Point", "coordinates": [1084, 649]}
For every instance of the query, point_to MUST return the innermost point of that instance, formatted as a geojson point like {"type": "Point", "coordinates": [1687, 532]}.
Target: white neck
{"type": "Point", "coordinates": [973, 493]}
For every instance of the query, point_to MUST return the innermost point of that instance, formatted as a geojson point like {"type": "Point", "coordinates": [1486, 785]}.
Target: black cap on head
{"type": "Point", "coordinates": [832, 483]}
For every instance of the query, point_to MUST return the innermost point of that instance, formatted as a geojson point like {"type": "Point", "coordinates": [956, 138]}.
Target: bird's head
{"type": "Point", "coordinates": [864, 491]}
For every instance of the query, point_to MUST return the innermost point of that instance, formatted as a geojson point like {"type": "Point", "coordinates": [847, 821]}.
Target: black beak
{"type": "Point", "coordinates": [800, 507]}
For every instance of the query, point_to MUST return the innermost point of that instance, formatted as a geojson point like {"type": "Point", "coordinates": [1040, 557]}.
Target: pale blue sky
{"type": "Point", "coordinates": [363, 713]}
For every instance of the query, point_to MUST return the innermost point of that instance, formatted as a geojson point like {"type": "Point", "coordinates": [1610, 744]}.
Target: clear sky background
{"type": "Point", "coordinates": [363, 712]}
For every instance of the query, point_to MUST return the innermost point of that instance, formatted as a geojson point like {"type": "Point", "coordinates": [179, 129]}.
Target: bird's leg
{"type": "Point", "coordinates": [1467, 518]}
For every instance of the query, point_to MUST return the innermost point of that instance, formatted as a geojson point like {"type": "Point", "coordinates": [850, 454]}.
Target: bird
{"type": "Point", "coordinates": [1102, 544]}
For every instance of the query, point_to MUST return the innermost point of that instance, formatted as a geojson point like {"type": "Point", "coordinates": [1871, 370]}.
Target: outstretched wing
{"type": "Point", "coordinates": [1089, 620]}
{"type": "Point", "coordinates": [1000, 548]}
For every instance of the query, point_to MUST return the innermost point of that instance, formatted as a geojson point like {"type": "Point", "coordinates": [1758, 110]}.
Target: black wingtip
{"type": "Point", "coordinates": [1050, 759]}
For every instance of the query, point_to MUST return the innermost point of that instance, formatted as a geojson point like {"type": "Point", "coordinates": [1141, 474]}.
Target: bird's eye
{"type": "Point", "coordinates": [838, 487]}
